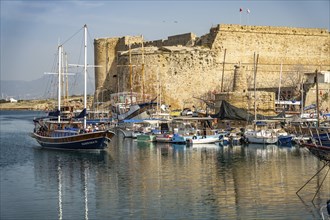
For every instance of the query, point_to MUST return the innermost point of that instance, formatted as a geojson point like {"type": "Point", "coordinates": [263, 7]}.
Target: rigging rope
{"type": "Point", "coordinates": [72, 36]}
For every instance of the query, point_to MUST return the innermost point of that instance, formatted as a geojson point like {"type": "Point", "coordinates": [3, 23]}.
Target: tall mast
{"type": "Point", "coordinates": [255, 85]}
{"type": "Point", "coordinates": [130, 71]}
{"type": "Point", "coordinates": [62, 76]}
{"type": "Point", "coordinates": [223, 70]}
{"type": "Point", "coordinates": [254, 77]}
{"type": "Point", "coordinates": [317, 98]}
{"type": "Point", "coordinates": [66, 78]}
{"type": "Point", "coordinates": [157, 90]}
{"type": "Point", "coordinates": [279, 87]}
{"type": "Point", "coordinates": [302, 98]}
{"type": "Point", "coordinates": [143, 71]}
{"type": "Point", "coordinates": [85, 74]}
{"type": "Point", "coordinates": [59, 81]}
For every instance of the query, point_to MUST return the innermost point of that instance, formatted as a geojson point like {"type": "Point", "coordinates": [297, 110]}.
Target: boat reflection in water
{"type": "Point", "coordinates": [73, 173]}
{"type": "Point", "coordinates": [60, 185]}
{"type": "Point", "coordinates": [165, 181]}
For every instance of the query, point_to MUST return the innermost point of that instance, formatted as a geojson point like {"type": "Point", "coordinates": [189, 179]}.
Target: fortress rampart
{"type": "Point", "coordinates": [186, 66]}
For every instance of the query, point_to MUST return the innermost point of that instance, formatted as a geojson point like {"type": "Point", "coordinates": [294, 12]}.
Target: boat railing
{"type": "Point", "coordinates": [64, 133]}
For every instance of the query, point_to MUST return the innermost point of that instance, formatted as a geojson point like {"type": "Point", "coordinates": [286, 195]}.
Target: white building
{"type": "Point", "coordinates": [323, 77]}
{"type": "Point", "coordinates": [12, 100]}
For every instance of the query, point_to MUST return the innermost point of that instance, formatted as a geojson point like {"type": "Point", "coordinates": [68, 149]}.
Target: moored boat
{"type": "Point", "coordinates": [285, 140]}
{"type": "Point", "coordinates": [54, 132]}
{"type": "Point", "coordinates": [178, 139]}
{"type": "Point", "coordinates": [321, 152]}
{"type": "Point", "coordinates": [73, 140]}
{"type": "Point", "coordinates": [260, 137]}
{"type": "Point", "coordinates": [164, 138]}
{"type": "Point", "coordinates": [146, 137]}
{"type": "Point", "coordinates": [200, 139]}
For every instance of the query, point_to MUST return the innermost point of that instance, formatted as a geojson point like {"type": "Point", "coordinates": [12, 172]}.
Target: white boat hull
{"type": "Point", "coordinates": [262, 140]}
{"type": "Point", "coordinates": [203, 140]}
{"type": "Point", "coordinates": [260, 137]}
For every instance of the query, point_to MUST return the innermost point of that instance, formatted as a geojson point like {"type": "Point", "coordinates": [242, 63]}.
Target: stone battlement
{"type": "Point", "coordinates": [272, 30]}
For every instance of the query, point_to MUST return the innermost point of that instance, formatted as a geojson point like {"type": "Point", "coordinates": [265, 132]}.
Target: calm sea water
{"type": "Point", "coordinates": [154, 181]}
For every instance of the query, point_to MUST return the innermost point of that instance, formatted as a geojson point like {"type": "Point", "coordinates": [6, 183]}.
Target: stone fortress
{"type": "Point", "coordinates": [220, 65]}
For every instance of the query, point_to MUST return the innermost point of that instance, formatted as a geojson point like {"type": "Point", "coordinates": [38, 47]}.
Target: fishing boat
{"type": "Point", "coordinates": [195, 130]}
{"type": "Point", "coordinates": [319, 143]}
{"type": "Point", "coordinates": [178, 139]}
{"type": "Point", "coordinates": [148, 130]}
{"type": "Point", "coordinates": [164, 138]}
{"type": "Point", "coordinates": [260, 137]}
{"type": "Point", "coordinates": [70, 133]}
{"type": "Point", "coordinates": [146, 137]}
{"type": "Point", "coordinates": [285, 140]}
{"type": "Point", "coordinates": [200, 139]}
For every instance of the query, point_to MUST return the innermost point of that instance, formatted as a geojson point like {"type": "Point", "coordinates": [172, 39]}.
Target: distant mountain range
{"type": "Point", "coordinates": [42, 88]}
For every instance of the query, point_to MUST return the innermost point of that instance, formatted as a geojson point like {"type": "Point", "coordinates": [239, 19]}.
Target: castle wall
{"type": "Point", "coordinates": [186, 73]}
{"type": "Point", "coordinates": [297, 49]}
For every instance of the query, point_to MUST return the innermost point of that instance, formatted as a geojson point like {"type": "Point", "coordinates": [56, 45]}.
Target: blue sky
{"type": "Point", "coordinates": [31, 30]}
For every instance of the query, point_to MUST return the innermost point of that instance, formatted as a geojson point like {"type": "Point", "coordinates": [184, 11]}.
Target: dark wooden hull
{"type": "Point", "coordinates": [85, 141]}
{"type": "Point", "coordinates": [322, 152]}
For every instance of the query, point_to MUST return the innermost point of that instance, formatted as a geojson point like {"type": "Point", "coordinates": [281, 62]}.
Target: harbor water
{"type": "Point", "coordinates": [132, 180]}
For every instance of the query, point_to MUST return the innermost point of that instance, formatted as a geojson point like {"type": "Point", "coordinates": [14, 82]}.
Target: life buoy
{"type": "Point", "coordinates": [311, 115]}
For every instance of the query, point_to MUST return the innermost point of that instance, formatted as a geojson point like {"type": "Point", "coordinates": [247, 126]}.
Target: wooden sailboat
{"type": "Point", "coordinates": [70, 133]}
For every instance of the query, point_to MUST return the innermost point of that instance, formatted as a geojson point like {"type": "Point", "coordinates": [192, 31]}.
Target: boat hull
{"type": "Point", "coordinates": [260, 137]}
{"type": "Point", "coordinates": [322, 152]}
{"type": "Point", "coordinates": [203, 140]}
{"type": "Point", "coordinates": [261, 140]}
{"type": "Point", "coordinates": [86, 141]}
{"type": "Point", "coordinates": [146, 138]}
{"type": "Point", "coordinates": [285, 140]}
{"type": "Point", "coordinates": [178, 139]}
{"type": "Point", "coordinates": [164, 138]}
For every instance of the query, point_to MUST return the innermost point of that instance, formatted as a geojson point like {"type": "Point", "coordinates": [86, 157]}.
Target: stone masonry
{"type": "Point", "coordinates": [185, 68]}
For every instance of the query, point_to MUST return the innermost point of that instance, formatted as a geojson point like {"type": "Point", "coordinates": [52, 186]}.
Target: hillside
{"type": "Point", "coordinates": [42, 88]}
{"type": "Point", "coordinates": [43, 104]}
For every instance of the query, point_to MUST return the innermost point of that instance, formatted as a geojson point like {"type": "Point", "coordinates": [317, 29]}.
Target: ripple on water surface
{"type": "Point", "coordinates": [154, 181]}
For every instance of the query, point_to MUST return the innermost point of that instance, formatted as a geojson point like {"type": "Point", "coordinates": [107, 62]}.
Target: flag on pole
{"type": "Point", "coordinates": [248, 11]}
